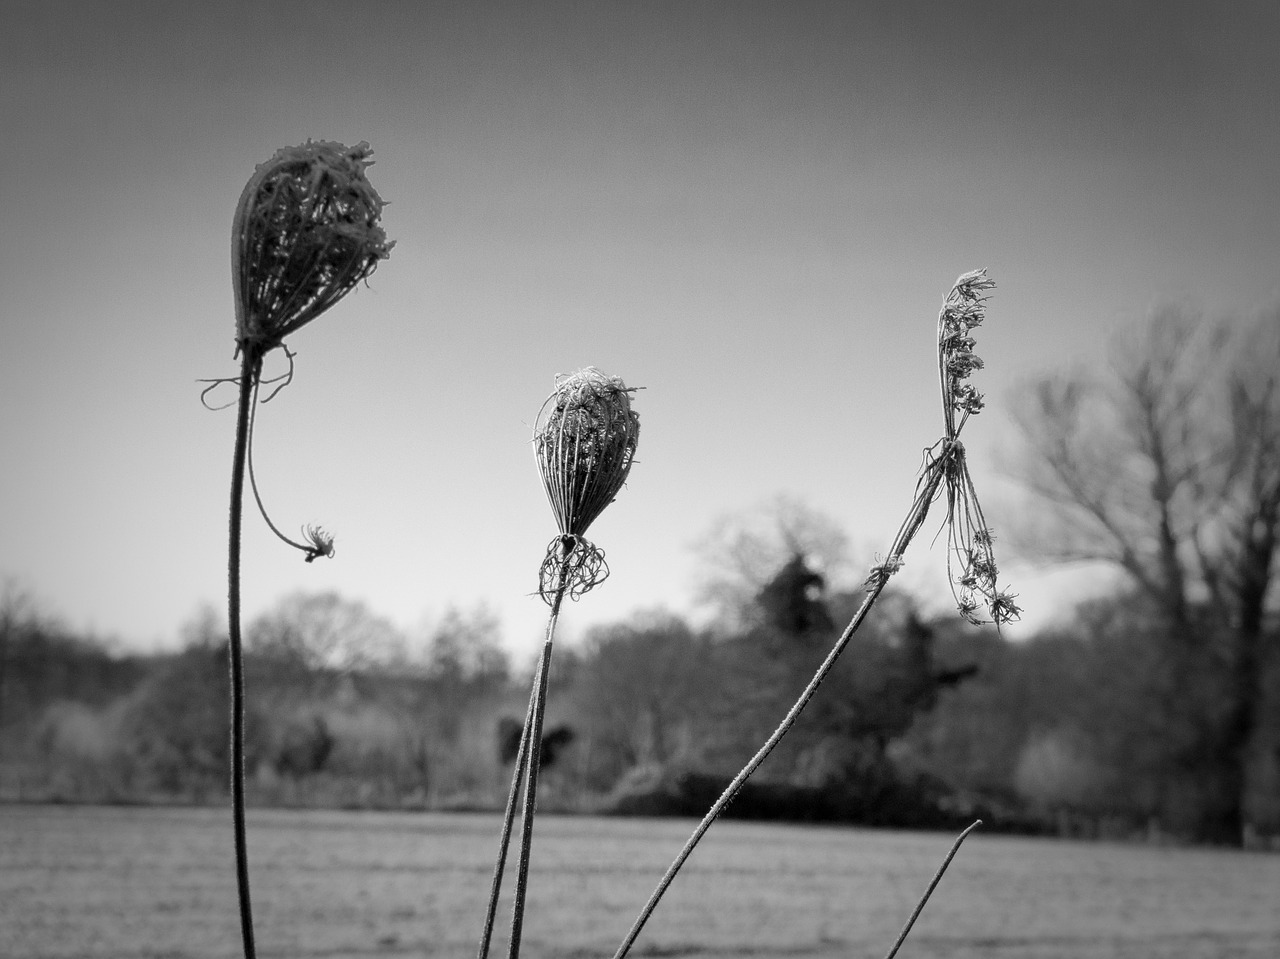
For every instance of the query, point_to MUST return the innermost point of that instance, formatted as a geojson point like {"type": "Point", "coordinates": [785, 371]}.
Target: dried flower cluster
{"type": "Point", "coordinates": [305, 232]}
{"type": "Point", "coordinates": [584, 440]}
{"type": "Point", "coordinates": [963, 311]}
{"type": "Point", "coordinates": [971, 565]}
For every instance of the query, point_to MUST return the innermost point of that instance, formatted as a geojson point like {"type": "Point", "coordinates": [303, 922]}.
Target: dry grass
{"type": "Point", "coordinates": [145, 882]}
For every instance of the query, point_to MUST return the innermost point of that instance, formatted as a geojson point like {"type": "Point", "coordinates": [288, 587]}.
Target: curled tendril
{"type": "Point", "coordinates": [316, 542]}
{"type": "Point", "coordinates": [284, 379]}
{"type": "Point", "coordinates": [572, 566]}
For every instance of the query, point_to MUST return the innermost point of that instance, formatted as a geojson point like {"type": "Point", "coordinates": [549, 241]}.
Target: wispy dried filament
{"type": "Point", "coordinates": [305, 232]}
{"type": "Point", "coordinates": [584, 440]}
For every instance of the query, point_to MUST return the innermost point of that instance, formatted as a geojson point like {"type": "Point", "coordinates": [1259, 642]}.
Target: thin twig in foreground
{"type": "Point", "coordinates": [937, 877]}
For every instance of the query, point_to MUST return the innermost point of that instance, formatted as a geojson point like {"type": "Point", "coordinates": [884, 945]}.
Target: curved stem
{"type": "Point", "coordinates": [534, 763]}
{"type": "Point", "coordinates": [248, 375]}
{"type": "Point", "coordinates": [312, 550]}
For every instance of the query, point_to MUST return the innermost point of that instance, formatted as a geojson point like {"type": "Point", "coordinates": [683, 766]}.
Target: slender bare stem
{"type": "Point", "coordinates": [249, 368]}
{"type": "Point", "coordinates": [937, 877]}
{"type": "Point", "coordinates": [508, 817]}
{"type": "Point", "coordinates": [926, 491]}
{"type": "Point", "coordinates": [534, 761]}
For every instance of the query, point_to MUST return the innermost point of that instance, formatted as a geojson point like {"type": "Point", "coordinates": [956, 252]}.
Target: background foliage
{"type": "Point", "coordinates": [1154, 710]}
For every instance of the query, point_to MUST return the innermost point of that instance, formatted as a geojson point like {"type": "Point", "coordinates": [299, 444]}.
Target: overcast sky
{"type": "Point", "coordinates": [753, 210]}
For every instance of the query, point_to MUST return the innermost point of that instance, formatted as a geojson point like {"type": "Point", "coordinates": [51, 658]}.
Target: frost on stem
{"type": "Point", "coordinates": [584, 441]}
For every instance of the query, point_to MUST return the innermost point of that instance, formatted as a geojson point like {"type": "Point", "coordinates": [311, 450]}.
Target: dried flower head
{"type": "Point", "coordinates": [305, 232]}
{"type": "Point", "coordinates": [963, 311]}
{"type": "Point", "coordinates": [585, 441]}
{"type": "Point", "coordinates": [971, 565]}
{"type": "Point", "coordinates": [319, 542]}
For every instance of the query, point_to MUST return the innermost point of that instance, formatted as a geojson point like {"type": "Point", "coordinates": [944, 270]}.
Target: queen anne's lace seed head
{"type": "Point", "coordinates": [305, 232]}
{"type": "Point", "coordinates": [585, 441]}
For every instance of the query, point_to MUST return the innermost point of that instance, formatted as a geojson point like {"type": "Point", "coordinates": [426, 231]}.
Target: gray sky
{"type": "Point", "coordinates": [753, 210]}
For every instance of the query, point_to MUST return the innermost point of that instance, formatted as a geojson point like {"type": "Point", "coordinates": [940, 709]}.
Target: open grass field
{"type": "Point", "coordinates": [157, 882]}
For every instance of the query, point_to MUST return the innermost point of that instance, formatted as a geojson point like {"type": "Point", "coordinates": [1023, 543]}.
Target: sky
{"type": "Point", "coordinates": [751, 210]}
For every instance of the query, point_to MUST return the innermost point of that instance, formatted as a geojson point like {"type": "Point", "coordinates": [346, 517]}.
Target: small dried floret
{"type": "Point", "coordinates": [319, 543]}
{"type": "Point", "coordinates": [1004, 609]}
{"type": "Point", "coordinates": [967, 398]}
{"type": "Point", "coordinates": [967, 607]}
{"type": "Point", "coordinates": [960, 364]}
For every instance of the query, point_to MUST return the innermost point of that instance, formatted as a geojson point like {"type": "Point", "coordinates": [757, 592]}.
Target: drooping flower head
{"type": "Point", "coordinates": [305, 232]}
{"type": "Point", "coordinates": [971, 565]}
{"type": "Point", "coordinates": [584, 441]}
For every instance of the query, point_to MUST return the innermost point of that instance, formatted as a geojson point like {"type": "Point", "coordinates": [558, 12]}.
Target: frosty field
{"type": "Point", "coordinates": [157, 882]}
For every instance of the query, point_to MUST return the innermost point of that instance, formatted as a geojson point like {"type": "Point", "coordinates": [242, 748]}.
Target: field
{"type": "Point", "coordinates": [157, 882]}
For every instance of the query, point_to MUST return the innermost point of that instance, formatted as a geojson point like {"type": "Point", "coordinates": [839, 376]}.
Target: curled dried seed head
{"type": "Point", "coordinates": [306, 230]}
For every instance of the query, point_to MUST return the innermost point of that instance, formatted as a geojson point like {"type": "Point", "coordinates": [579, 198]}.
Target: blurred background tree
{"type": "Point", "coordinates": [1166, 466]}
{"type": "Point", "coordinates": [743, 550]}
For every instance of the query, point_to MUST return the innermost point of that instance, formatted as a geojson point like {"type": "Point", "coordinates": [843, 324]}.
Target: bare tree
{"type": "Point", "coordinates": [743, 552]}
{"type": "Point", "coordinates": [325, 631]}
{"type": "Point", "coordinates": [1167, 466]}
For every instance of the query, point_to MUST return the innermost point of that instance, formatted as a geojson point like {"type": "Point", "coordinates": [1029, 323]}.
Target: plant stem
{"type": "Point", "coordinates": [535, 761]}
{"type": "Point", "coordinates": [937, 877]}
{"type": "Point", "coordinates": [736, 785]}
{"type": "Point", "coordinates": [926, 490]}
{"type": "Point", "coordinates": [508, 816]}
{"type": "Point", "coordinates": [249, 367]}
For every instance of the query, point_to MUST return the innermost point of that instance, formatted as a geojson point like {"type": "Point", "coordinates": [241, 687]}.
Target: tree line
{"type": "Point", "coordinates": [1083, 730]}
{"type": "Point", "coordinates": [1152, 711]}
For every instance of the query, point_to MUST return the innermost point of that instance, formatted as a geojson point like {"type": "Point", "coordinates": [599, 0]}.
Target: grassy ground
{"type": "Point", "coordinates": [146, 882]}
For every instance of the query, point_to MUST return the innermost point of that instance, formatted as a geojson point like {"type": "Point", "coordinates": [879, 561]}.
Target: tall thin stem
{"type": "Point", "coordinates": [925, 493]}
{"type": "Point", "coordinates": [534, 760]}
{"type": "Point", "coordinates": [508, 817]}
{"type": "Point", "coordinates": [249, 368]}
{"type": "Point", "coordinates": [736, 785]}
